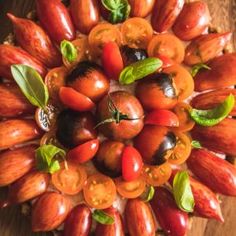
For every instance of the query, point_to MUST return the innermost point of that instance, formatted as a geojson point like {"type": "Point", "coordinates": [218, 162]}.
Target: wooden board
{"type": "Point", "coordinates": [13, 223]}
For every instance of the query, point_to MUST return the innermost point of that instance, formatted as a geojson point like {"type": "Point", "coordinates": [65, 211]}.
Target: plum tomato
{"type": "Point", "coordinates": [108, 158]}
{"type": "Point", "coordinates": [75, 128]}
{"type": "Point", "coordinates": [121, 115]}
{"type": "Point", "coordinates": [155, 144]}
{"type": "Point", "coordinates": [157, 91]}
{"type": "Point", "coordinates": [84, 152]}
{"type": "Point", "coordinates": [99, 191]}
{"type": "Point", "coordinates": [88, 78]}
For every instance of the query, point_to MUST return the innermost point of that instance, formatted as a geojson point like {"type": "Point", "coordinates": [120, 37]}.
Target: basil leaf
{"type": "Point", "coordinates": [150, 194]}
{"type": "Point", "coordinates": [103, 218]}
{"type": "Point", "coordinates": [139, 70]}
{"type": "Point", "coordinates": [68, 50]}
{"type": "Point", "coordinates": [31, 84]}
{"type": "Point", "coordinates": [213, 116]}
{"type": "Point", "coordinates": [182, 192]}
{"type": "Point", "coordinates": [45, 158]}
{"type": "Point", "coordinates": [196, 68]}
{"type": "Point", "coordinates": [196, 144]}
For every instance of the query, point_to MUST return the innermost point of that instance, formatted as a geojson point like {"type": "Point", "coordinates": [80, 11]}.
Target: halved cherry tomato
{"type": "Point", "coordinates": [83, 152]}
{"type": "Point", "coordinates": [112, 60]}
{"type": "Point", "coordinates": [157, 175]}
{"type": "Point", "coordinates": [136, 32]}
{"type": "Point", "coordinates": [75, 100]}
{"type": "Point", "coordinates": [131, 189]}
{"type": "Point", "coordinates": [166, 61]}
{"type": "Point", "coordinates": [167, 45]}
{"type": "Point", "coordinates": [162, 118]}
{"type": "Point", "coordinates": [132, 163]}
{"type": "Point", "coordinates": [99, 191]}
{"type": "Point", "coordinates": [70, 179]}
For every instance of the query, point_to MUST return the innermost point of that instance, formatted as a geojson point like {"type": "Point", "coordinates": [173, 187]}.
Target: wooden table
{"type": "Point", "coordinates": [12, 223]}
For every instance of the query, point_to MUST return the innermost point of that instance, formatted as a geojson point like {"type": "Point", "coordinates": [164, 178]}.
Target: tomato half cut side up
{"type": "Point", "coordinates": [99, 191]}
{"type": "Point", "coordinates": [70, 179]}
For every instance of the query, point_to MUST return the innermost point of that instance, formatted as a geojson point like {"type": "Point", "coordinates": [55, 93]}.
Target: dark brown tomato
{"type": "Point", "coordinates": [141, 8]}
{"type": "Point", "coordinates": [157, 92]}
{"type": "Point", "coordinates": [88, 78]}
{"type": "Point", "coordinates": [108, 158]}
{"type": "Point", "coordinates": [155, 144]}
{"type": "Point", "coordinates": [127, 105]}
{"type": "Point", "coordinates": [75, 128]}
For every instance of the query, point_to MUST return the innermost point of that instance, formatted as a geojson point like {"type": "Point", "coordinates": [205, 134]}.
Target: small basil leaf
{"type": "Point", "coordinates": [182, 192]}
{"type": "Point", "coordinates": [103, 218]}
{"type": "Point", "coordinates": [31, 84]}
{"type": "Point", "coordinates": [139, 70]}
{"type": "Point", "coordinates": [196, 144]}
{"type": "Point", "coordinates": [68, 50]}
{"type": "Point", "coordinates": [150, 194]}
{"type": "Point", "coordinates": [213, 116]}
{"type": "Point", "coordinates": [196, 68]}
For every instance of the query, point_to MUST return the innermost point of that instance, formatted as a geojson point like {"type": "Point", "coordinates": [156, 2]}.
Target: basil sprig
{"type": "Point", "coordinates": [102, 217]}
{"type": "Point", "coordinates": [196, 144]}
{"type": "Point", "coordinates": [196, 68]}
{"type": "Point", "coordinates": [182, 192]}
{"type": "Point", "coordinates": [46, 158]}
{"type": "Point", "coordinates": [213, 116]}
{"type": "Point", "coordinates": [150, 194]}
{"type": "Point", "coordinates": [139, 70]}
{"type": "Point", "coordinates": [68, 50]}
{"type": "Point", "coordinates": [31, 84]}
{"type": "Point", "coordinates": [119, 10]}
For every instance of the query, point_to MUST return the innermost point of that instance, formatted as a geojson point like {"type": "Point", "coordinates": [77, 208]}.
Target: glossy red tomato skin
{"type": "Point", "coordinates": [167, 62]}
{"type": "Point", "coordinates": [131, 163]}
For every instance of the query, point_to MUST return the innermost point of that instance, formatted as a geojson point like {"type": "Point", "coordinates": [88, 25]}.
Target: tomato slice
{"type": "Point", "coordinates": [70, 179]}
{"type": "Point", "coordinates": [99, 191]}
{"type": "Point", "coordinates": [136, 32]}
{"type": "Point", "coordinates": [162, 118]}
{"type": "Point", "coordinates": [167, 45]}
{"type": "Point", "coordinates": [131, 189]}
{"type": "Point", "coordinates": [83, 152]}
{"type": "Point", "coordinates": [157, 175]}
{"type": "Point", "coordinates": [112, 60]}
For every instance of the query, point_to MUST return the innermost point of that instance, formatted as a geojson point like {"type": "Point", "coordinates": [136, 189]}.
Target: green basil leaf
{"type": "Point", "coordinates": [182, 192]}
{"type": "Point", "coordinates": [196, 68]}
{"type": "Point", "coordinates": [103, 218]}
{"type": "Point", "coordinates": [68, 50]}
{"type": "Point", "coordinates": [139, 70]}
{"type": "Point", "coordinates": [150, 194]}
{"type": "Point", "coordinates": [213, 116]}
{"type": "Point", "coordinates": [31, 84]}
{"type": "Point", "coordinates": [196, 144]}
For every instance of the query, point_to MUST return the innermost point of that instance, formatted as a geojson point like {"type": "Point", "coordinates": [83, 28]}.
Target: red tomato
{"type": "Point", "coordinates": [162, 117]}
{"type": "Point", "coordinates": [83, 152]}
{"type": "Point", "coordinates": [166, 61]}
{"type": "Point", "coordinates": [131, 163]}
{"type": "Point", "coordinates": [112, 60]}
{"type": "Point", "coordinates": [75, 100]}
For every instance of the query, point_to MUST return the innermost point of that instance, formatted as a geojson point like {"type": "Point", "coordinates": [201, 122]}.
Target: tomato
{"type": "Point", "coordinates": [99, 191]}
{"type": "Point", "coordinates": [112, 60]}
{"type": "Point", "coordinates": [131, 189]}
{"type": "Point", "coordinates": [70, 179]}
{"type": "Point", "coordinates": [162, 117]}
{"type": "Point", "coordinates": [157, 175]}
{"type": "Point", "coordinates": [83, 152]}
{"type": "Point", "coordinates": [131, 163]}
{"type": "Point", "coordinates": [50, 138]}
{"type": "Point", "coordinates": [141, 8]}
{"type": "Point", "coordinates": [136, 32]}
{"type": "Point", "coordinates": [166, 61]}
{"type": "Point", "coordinates": [166, 45]}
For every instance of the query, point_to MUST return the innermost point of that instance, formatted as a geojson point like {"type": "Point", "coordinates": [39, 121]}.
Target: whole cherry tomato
{"type": "Point", "coordinates": [141, 8]}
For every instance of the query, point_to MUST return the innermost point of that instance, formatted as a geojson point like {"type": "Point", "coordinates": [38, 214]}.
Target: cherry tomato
{"type": "Point", "coordinates": [166, 45]}
{"type": "Point", "coordinates": [131, 163]}
{"type": "Point", "coordinates": [141, 8]}
{"type": "Point", "coordinates": [166, 61]}
{"type": "Point", "coordinates": [50, 138]}
{"type": "Point", "coordinates": [162, 118]}
{"type": "Point", "coordinates": [131, 189]}
{"type": "Point", "coordinates": [112, 60]}
{"type": "Point", "coordinates": [99, 191]}
{"type": "Point", "coordinates": [136, 32]}
{"type": "Point", "coordinates": [83, 152]}
{"type": "Point", "coordinates": [70, 179]}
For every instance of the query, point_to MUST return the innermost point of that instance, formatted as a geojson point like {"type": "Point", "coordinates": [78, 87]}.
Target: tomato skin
{"type": "Point", "coordinates": [112, 60]}
{"type": "Point", "coordinates": [141, 8]}
{"type": "Point", "coordinates": [131, 163]}
{"type": "Point", "coordinates": [84, 152]}
{"type": "Point", "coordinates": [166, 61]}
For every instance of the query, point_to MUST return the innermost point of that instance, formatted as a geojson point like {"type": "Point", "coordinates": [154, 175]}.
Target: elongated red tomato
{"type": "Point", "coordinates": [131, 163]}
{"type": "Point", "coordinates": [75, 100]}
{"type": "Point", "coordinates": [112, 60]}
{"type": "Point", "coordinates": [162, 117]}
{"type": "Point", "coordinates": [84, 152]}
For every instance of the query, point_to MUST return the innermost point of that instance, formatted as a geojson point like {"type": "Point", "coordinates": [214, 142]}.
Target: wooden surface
{"type": "Point", "coordinates": [12, 223]}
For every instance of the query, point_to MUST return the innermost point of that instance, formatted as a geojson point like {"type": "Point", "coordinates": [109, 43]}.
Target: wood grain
{"type": "Point", "coordinates": [13, 223]}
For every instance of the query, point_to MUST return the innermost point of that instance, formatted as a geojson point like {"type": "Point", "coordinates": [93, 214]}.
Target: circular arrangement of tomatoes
{"type": "Point", "coordinates": [114, 115]}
